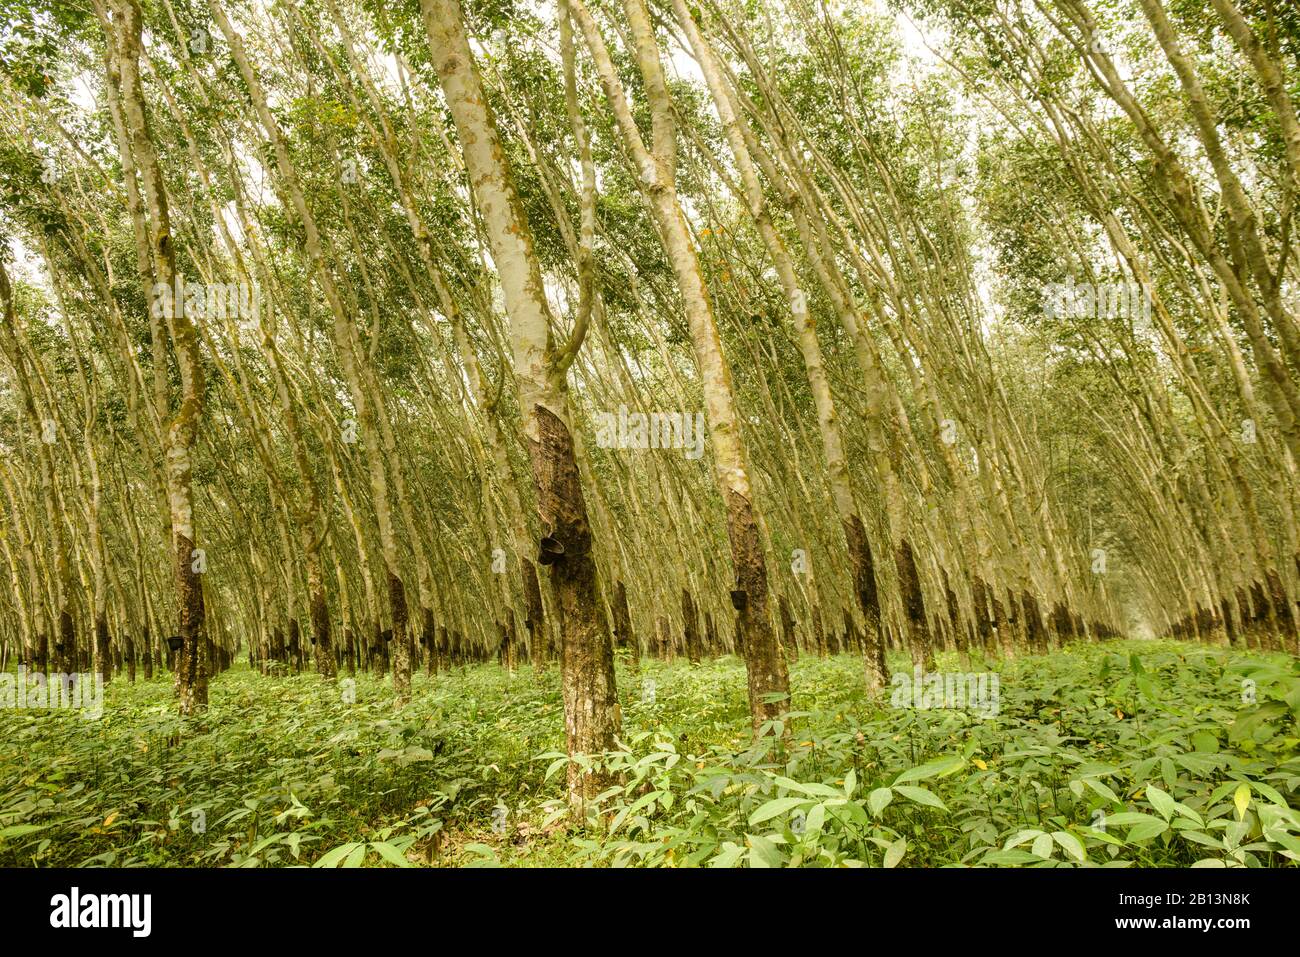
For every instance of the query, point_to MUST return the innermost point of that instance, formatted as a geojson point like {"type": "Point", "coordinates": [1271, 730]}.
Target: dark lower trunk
{"type": "Point", "coordinates": [1034, 632]}
{"type": "Point", "coordinates": [1061, 624]}
{"type": "Point", "coordinates": [1283, 613]}
{"type": "Point", "coordinates": [662, 640]}
{"type": "Point", "coordinates": [535, 622]}
{"type": "Point", "coordinates": [862, 564]}
{"type": "Point", "coordinates": [103, 651]}
{"type": "Point", "coordinates": [321, 641]}
{"type": "Point", "coordinates": [1245, 618]}
{"type": "Point", "coordinates": [1261, 616]}
{"type": "Point", "coordinates": [955, 625]}
{"type": "Point", "coordinates": [983, 621]}
{"type": "Point", "coordinates": [507, 649]}
{"type": "Point", "coordinates": [66, 647]}
{"type": "Point", "coordinates": [592, 716]}
{"type": "Point", "coordinates": [191, 669]}
{"type": "Point", "coordinates": [429, 639]}
{"type": "Point", "coordinates": [691, 627]}
{"type": "Point", "coordinates": [624, 637]}
{"type": "Point", "coordinates": [1229, 621]}
{"type": "Point", "coordinates": [789, 635]}
{"type": "Point", "coordinates": [399, 647]}
{"type": "Point", "coordinates": [1016, 622]}
{"type": "Point", "coordinates": [918, 628]}
{"type": "Point", "coordinates": [379, 652]}
{"type": "Point", "coordinates": [1003, 627]}
{"type": "Point", "coordinates": [852, 638]}
{"type": "Point", "coordinates": [769, 682]}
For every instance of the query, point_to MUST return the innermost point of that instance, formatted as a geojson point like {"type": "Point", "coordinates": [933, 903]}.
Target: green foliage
{"type": "Point", "coordinates": [1131, 754]}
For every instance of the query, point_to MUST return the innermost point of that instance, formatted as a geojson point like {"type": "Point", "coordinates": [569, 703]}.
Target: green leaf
{"type": "Point", "coordinates": [1010, 858]}
{"type": "Point", "coordinates": [894, 853]}
{"type": "Point", "coordinates": [21, 830]}
{"type": "Point", "coordinates": [920, 796]}
{"type": "Point", "coordinates": [487, 856]}
{"type": "Point", "coordinates": [332, 858]}
{"type": "Point", "coordinates": [1070, 844]}
{"type": "Point", "coordinates": [1241, 799]}
{"type": "Point", "coordinates": [878, 800]}
{"type": "Point", "coordinates": [356, 857]}
{"type": "Point", "coordinates": [940, 767]}
{"type": "Point", "coordinates": [730, 854]}
{"type": "Point", "coordinates": [1020, 837]}
{"type": "Point", "coordinates": [1248, 722]}
{"type": "Point", "coordinates": [1125, 818]}
{"type": "Point", "coordinates": [1199, 763]}
{"type": "Point", "coordinates": [1101, 836]}
{"type": "Point", "coordinates": [631, 809]}
{"type": "Point", "coordinates": [763, 853]}
{"type": "Point", "coordinates": [1102, 789]}
{"type": "Point", "coordinates": [1161, 801]}
{"type": "Point", "coordinates": [1268, 792]}
{"type": "Point", "coordinates": [1042, 846]}
{"type": "Point", "coordinates": [391, 854]}
{"type": "Point", "coordinates": [1145, 686]}
{"type": "Point", "coordinates": [774, 807]}
{"type": "Point", "coordinates": [1197, 837]}
{"type": "Point", "coordinates": [1147, 829]}
{"type": "Point", "coordinates": [812, 789]}
{"type": "Point", "coordinates": [815, 820]}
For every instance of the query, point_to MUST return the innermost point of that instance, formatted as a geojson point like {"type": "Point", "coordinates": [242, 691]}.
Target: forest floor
{"type": "Point", "coordinates": [1127, 753]}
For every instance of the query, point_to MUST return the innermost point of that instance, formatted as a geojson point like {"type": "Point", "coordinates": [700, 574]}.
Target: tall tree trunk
{"type": "Point", "coordinates": [769, 683]}
{"type": "Point", "coordinates": [123, 35]}
{"type": "Point", "coordinates": [591, 710]}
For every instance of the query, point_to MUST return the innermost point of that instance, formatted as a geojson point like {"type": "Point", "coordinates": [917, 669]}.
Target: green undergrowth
{"type": "Point", "coordinates": [1123, 754]}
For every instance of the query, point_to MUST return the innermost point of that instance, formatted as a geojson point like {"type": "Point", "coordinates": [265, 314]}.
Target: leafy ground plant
{"type": "Point", "coordinates": [1122, 754]}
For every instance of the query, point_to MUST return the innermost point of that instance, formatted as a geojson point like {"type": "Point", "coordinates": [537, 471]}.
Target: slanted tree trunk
{"type": "Point", "coordinates": [624, 635]}
{"type": "Point", "coordinates": [123, 34]}
{"type": "Point", "coordinates": [860, 557]}
{"type": "Point", "coordinates": [591, 710]}
{"type": "Point", "coordinates": [769, 685]}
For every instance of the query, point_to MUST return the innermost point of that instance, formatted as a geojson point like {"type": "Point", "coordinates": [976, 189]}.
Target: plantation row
{"type": "Point", "coordinates": [438, 649]}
